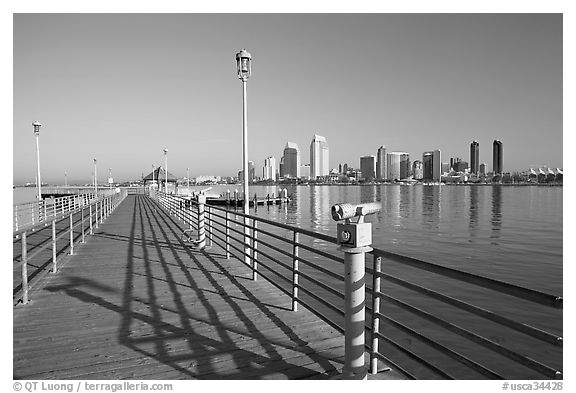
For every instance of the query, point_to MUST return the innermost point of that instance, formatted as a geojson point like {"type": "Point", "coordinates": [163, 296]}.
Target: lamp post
{"type": "Point", "coordinates": [166, 170]}
{"type": "Point", "coordinates": [109, 178]}
{"type": "Point", "coordinates": [37, 126]}
{"type": "Point", "coordinates": [65, 179]}
{"type": "Point", "coordinates": [244, 67]}
{"type": "Point", "coordinates": [153, 169]}
{"type": "Point", "coordinates": [95, 180]}
{"type": "Point", "coordinates": [188, 180]}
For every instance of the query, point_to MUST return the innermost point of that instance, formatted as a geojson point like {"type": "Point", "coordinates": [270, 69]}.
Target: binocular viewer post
{"type": "Point", "coordinates": [355, 239]}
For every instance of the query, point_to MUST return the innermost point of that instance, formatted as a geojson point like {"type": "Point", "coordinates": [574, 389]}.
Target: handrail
{"type": "Point", "coordinates": [266, 248]}
{"type": "Point", "coordinates": [72, 215]}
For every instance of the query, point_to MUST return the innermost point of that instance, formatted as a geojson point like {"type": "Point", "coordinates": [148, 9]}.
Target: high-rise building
{"type": "Point", "coordinates": [474, 157]}
{"type": "Point", "coordinates": [404, 165]}
{"type": "Point", "coordinates": [483, 168]}
{"type": "Point", "coordinates": [381, 167]}
{"type": "Point", "coordinates": [497, 156]}
{"type": "Point", "coordinates": [291, 160]}
{"type": "Point", "coordinates": [396, 165]}
{"type": "Point", "coordinates": [251, 171]}
{"type": "Point", "coordinates": [368, 167]}
{"type": "Point", "coordinates": [319, 157]}
{"type": "Point", "coordinates": [269, 170]}
{"type": "Point", "coordinates": [305, 171]}
{"type": "Point", "coordinates": [431, 166]}
{"type": "Point", "coordinates": [417, 170]}
{"type": "Point", "coordinates": [446, 167]}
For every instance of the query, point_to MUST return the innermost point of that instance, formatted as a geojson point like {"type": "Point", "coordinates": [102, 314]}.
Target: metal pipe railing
{"type": "Point", "coordinates": [249, 237]}
{"type": "Point", "coordinates": [73, 208]}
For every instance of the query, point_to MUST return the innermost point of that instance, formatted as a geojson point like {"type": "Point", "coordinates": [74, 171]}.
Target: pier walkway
{"type": "Point", "coordinates": [135, 302]}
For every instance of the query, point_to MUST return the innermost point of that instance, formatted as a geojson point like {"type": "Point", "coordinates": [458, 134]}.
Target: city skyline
{"type": "Point", "coordinates": [411, 82]}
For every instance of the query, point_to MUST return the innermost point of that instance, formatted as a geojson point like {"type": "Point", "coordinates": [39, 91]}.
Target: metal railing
{"type": "Point", "coordinates": [291, 259]}
{"type": "Point", "coordinates": [69, 218]}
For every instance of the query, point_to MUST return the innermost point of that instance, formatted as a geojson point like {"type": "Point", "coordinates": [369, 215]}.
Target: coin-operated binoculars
{"type": "Point", "coordinates": [355, 239]}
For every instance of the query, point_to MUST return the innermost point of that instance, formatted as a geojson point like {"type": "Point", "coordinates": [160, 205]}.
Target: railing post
{"type": "Point", "coordinates": [90, 207]}
{"type": "Point", "coordinates": [254, 249]}
{"type": "Point", "coordinates": [82, 221]}
{"type": "Point", "coordinates": [227, 236]}
{"type": "Point", "coordinates": [96, 207]}
{"type": "Point", "coordinates": [24, 270]}
{"type": "Point", "coordinates": [54, 262]}
{"type": "Point", "coordinates": [71, 234]}
{"type": "Point", "coordinates": [295, 249]}
{"type": "Point", "coordinates": [209, 222]}
{"type": "Point", "coordinates": [375, 311]}
{"type": "Point", "coordinates": [16, 216]}
{"type": "Point", "coordinates": [201, 229]}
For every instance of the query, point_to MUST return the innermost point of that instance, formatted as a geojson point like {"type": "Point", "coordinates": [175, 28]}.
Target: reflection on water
{"type": "Point", "coordinates": [319, 206]}
{"type": "Point", "coordinates": [473, 211]}
{"type": "Point", "coordinates": [496, 212]}
{"type": "Point", "coordinates": [431, 206]}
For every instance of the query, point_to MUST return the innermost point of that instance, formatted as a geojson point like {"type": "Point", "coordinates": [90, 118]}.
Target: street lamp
{"type": "Point", "coordinates": [65, 179]}
{"type": "Point", "coordinates": [38, 180]}
{"type": "Point", "coordinates": [244, 67]}
{"type": "Point", "coordinates": [153, 169]}
{"type": "Point", "coordinates": [95, 180]}
{"type": "Point", "coordinates": [188, 180]}
{"type": "Point", "coordinates": [166, 169]}
{"type": "Point", "coordinates": [109, 178]}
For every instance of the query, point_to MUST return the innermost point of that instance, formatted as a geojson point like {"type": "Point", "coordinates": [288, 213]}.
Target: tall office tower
{"type": "Point", "coordinates": [251, 171]}
{"type": "Point", "coordinates": [340, 168]}
{"type": "Point", "coordinates": [281, 167]}
{"type": "Point", "coordinates": [404, 165]}
{"type": "Point", "coordinates": [446, 167]}
{"type": "Point", "coordinates": [345, 168]}
{"type": "Point", "coordinates": [431, 166]}
{"type": "Point", "coordinates": [497, 156]}
{"type": "Point", "coordinates": [269, 170]}
{"type": "Point", "coordinates": [393, 165]}
{"type": "Point", "coordinates": [291, 160]}
{"type": "Point", "coordinates": [474, 157]}
{"type": "Point", "coordinates": [483, 168]}
{"type": "Point", "coordinates": [417, 169]}
{"type": "Point", "coordinates": [305, 171]}
{"type": "Point", "coordinates": [381, 167]}
{"type": "Point", "coordinates": [319, 157]}
{"type": "Point", "coordinates": [368, 167]}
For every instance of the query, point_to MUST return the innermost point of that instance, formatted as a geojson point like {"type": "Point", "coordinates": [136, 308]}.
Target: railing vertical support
{"type": "Point", "coordinates": [295, 250]}
{"type": "Point", "coordinates": [96, 207]}
{"type": "Point", "coordinates": [54, 261]}
{"type": "Point", "coordinates": [82, 222]}
{"type": "Point", "coordinates": [209, 222]}
{"type": "Point", "coordinates": [375, 311]}
{"type": "Point", "coordinates": [227, 236]}
{"type": "Point", "coordinates": [201, 229]}
{"type": "Point", "coordinates": [254, 249]}
{"type": "Point", "coordinates": [71, 234]}
{"type": "Point", "coordinates": [90, 208]}
{"type": "Point", "coordinates": [16, 216]}
{"type": "Point", "coordinates": [24, 270]}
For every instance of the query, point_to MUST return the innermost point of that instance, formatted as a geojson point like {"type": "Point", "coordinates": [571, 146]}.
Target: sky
{"type": "Point", "coordinates": [122, 87]}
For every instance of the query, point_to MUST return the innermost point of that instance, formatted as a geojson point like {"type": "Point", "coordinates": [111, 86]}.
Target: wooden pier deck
{"type": "Point", "coordinates": [136, 303]}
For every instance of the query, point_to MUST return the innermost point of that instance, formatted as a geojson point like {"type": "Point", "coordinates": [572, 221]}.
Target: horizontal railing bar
{"type": "Point", "coordinates": [324, 302]}
{"type": "Point", "coordinates": [412, 355]}
{"type": "Point", "coordinates": [441, 348]}
{"type": "Point", "coordinates": [526, 329]}
{"type": "Point", "coordinates": [524, 360]}
{"type": "Point", "coordinates": [321, 269]}
{"type": "Point", "coordinates": [320, 284]}
{"type": "Point", "coordinates": [322, 253]}
{"type": "Point", "coordinates": [395, 365]}
{"type": "Point", "coordinates": [500, 286]}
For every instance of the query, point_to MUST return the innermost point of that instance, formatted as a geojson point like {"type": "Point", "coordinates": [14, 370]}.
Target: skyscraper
{"type": "Point", "coordinates": [381, 167]}
{"type": "Point", "coordinates": [269, 170]}
{"type": "Point", "coordinates": [291, 160]}
{"type": "Point", "coordinates": [417, 169]}
{"type": "Point", "coordinates": [474, 157]}
{"type": "Point", "coordinates": [431, 166]}
{"type": "Point", "coordinates": [251, 171]}
{"type": "Point", "coordinates": [367, 167]}
{"type": "Point", "coordinates": [497, 156]}
{"type": "Point", "coordinates": [396, 165]}
{"type": "Point", "coordinates": [319, 157]}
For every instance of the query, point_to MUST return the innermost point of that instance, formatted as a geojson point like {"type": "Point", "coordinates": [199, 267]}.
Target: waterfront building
{"type": "Point", "coordinates": [305, 172]}
{"type": "Point", "coordinates": [291, 160]}
{"type": "Point", "coordinates": [281, 167]}
{"type": "Point", "coordinates": [460, 166]}
{"type": "Point", "coordinates": [251, 171]}
{"type": "Point", "coordinates": [368, 167]}
{"type": "Point", "coordinates": [319, 157]}
{"type": "Point", "coordinates": [381, 167]}
{"type": "Point", "coordinates": [497, 157]}
{"type": "Point", "coordinates": [396, 160]}
{"type": "Point", "coordinates": [474, 157]}
{"type": "Point", "coordinates": [431, 166]}
{"type": "Point", "coordinates": [483, 169]}
{"type": "Point", "coordinates": [417, 170]}
{"type": "Point", "coordinates": [269, 169]}
{"type": "Point", "coordinates": [404, 166]}
{"type": "Point", "coordinates": [446, 167]}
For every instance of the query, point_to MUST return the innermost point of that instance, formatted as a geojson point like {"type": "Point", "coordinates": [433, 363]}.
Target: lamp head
{"type": "Point", "coordinates": [243, 64]}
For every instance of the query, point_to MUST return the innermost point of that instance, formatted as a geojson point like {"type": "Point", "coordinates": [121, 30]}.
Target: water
{"type": "Point", "coordinates": [23, 195]}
